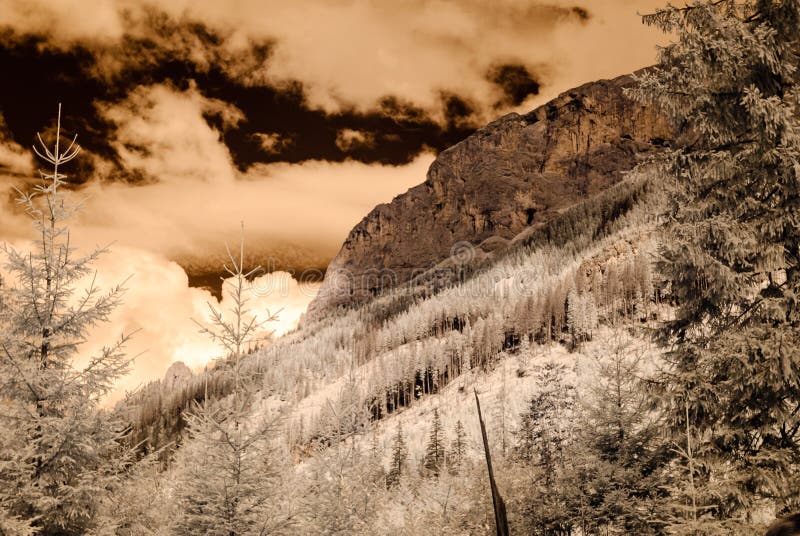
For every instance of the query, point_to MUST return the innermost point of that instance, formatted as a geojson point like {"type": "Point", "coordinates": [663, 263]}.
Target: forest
{"type": "Point", "coordinates": [637, 358]}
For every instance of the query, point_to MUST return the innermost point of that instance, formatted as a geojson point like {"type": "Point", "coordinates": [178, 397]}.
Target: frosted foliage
{"type": "Point", "coordinates": [228, 472]}
{"type": "Point", "coordinates": [59, 455]}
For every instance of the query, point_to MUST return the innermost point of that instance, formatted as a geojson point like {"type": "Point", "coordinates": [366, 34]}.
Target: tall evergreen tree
{"type": "Point", "coordinates": [458, 449]}
{"type": "Point", "coordinates": [544, 446]}
{"type": "Point", "coordinates": [620, 479]}
{"type": "Point", "coordinates": [228, 468]}
{"type": "Point", "coordinates": [399, 458]}
{"type": "Point", "coordinates": [730, 244]}
{"type": "Point", "coordinates": [433, 462]}
{"type": "Point", "coordinates": [57, 449]}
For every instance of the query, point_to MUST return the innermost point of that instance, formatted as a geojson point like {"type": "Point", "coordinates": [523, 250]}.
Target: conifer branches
{"type": "Point", "coordinates": [729, 247]}
{"type": "Point", "coordinates": [236, 335]}
{"type": "Point", "coordinates": [227, 474]}
{"type": "Point", "coordinates": [57, 455]}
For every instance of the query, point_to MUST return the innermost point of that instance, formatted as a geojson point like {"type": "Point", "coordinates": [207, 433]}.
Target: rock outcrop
{"type": "Point", "coordinates": [516, 172]}
{"type": "Point", "coordinates": [177, 375]}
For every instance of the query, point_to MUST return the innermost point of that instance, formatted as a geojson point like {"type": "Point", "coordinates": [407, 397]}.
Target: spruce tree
{"type": "Point", "coordinates": [458, 449]}
{"type": "Point", "coordinates": [543, 435]}
{"type": "Point", "coordinates": [57, 449]}
{"type": "Point", "coordinates": [227, 470]}
{"type": "Point", "coordinates": [399, 458]}
{"type": "Point", "coordinates": [544, 448]}
{"type": "Point", "coordinates": [618, 436]}
{"type": "Point", "coordinates": [433, 462]}
{"type": "Point", "coordinates": [730, 244]}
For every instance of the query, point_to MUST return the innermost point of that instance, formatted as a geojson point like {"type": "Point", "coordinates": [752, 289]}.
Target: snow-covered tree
{"type": "Point", "coordinates": [227, 473]}
{"type": "Point", "coordinates": [544, 440]}
{"type": "Point", "coordinates": [58, 452]}
{"type": "Point", "coordinates": [581, 316]}
{"type": "Point", "coordinates": [346, 484]}
{"type": "Point", "coordinates": [142, 505]}
{"type": "Point", "coordinates": [618, 436]}
{"type": "Point", "coordinates": [730, 242]}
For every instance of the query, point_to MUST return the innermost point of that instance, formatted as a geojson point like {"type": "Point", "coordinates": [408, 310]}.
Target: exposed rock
{"type": "Point", "coordinates": [518, 171]}
{"type": "Point", "coordinates": [177, 374]}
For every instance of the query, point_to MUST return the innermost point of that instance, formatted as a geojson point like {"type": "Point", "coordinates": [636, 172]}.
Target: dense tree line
{"type": "Point", "coordinates": [454, 330]}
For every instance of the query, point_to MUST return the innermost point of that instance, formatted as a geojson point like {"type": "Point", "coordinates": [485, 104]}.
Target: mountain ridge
{"type": "Point", "coordinates": [516, 172]}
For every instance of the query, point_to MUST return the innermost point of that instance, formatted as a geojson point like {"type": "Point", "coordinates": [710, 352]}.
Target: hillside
{"type": "Point", "coordinates": [552, 282]}
{"type": "Point", "coordinates": [567, 299]}
{"type": "Point", "coordinates": [575, 248]}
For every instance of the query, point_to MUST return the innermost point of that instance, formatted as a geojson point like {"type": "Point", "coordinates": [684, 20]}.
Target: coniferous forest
{"type": "Point", "coordinates": [636, 357]}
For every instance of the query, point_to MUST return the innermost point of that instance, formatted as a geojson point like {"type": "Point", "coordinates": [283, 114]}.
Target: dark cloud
{"type": "Point", "coordinates": [515, 82]}
{"type": "Point", "coordinates": [460, 113]}
{"type": "Point", "coordinates": [40, 78]}
{"type": "Point", "coordinates": [87, 80]}
{"type": "Point", "coordinates": [582, 13]}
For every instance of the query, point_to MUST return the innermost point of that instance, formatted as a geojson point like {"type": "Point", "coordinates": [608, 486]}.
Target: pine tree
{"type": "Point", "coordinates": [433, 462]}
{"type": "Point", "coordinates": [346, 485]}
{"type": "Point", "coordinates": [376, 471]}
{"type": "Point", "coordinates": [458, 449]}
{"type": "Point", "coordinates": [730, 243]}
{"type": "Point", "coordinates": [500, 413]}
{"type": "Point", "coordinates": [57, 450]}
{"type": "Point", "coordinates": [619, 438]}
{"type": "Point", "coordinates": [399, 458]}
{"type": "Point", "coordinates": [227, 470]}
{"type": "Point", "coordinates": [581, 316]}
{"type": "Point", "coordinates": [542, 434]}
{"type": "Point", "coordinates": [575, 318]}
{"type": "Point", "coordinates": [544, 443]}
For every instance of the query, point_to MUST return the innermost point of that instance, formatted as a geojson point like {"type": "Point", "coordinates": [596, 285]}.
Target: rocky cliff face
{"type": "Point", "coordinates": [517, 172]}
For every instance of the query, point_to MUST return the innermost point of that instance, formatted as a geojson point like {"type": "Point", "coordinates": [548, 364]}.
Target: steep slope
{"type": "Point", "coordinates": [517, 172]}
{"type": "Point", "coordinates": [593, 245]}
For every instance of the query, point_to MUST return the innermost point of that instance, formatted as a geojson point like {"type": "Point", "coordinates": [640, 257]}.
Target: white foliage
{"type": "Point", "coordinates": [59, 455]}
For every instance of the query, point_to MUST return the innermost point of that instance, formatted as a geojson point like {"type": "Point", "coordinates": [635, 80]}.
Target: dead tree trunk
{"type": "Point", "coordinates": [500, 520]}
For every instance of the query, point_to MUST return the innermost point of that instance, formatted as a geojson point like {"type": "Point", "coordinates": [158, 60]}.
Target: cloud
{"type": "Point", "coordinates": [194, 197]}
{"type": "Point", "coordinates": [281, 112]}
{"type": "Point", "coordinates": [272, 142]}
{"type": "Point", "coordinates": [351, 54]}
{"type": "Point", "coordinates": [515, 82]}
{"type": "Point", "coordinates": [348, 139]}
{"type": "Point", "coordinates": [162, 133]}
{"type": "Point", "coordinates": [65, 20]}
{"type": "Point", "coordinates": [14, 160]}
{"type": "Point", "coordinates": [158, 308]}
{"type": "Point", "coordinates": [612, 43]}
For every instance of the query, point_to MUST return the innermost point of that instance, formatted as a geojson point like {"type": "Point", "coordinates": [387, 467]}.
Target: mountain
{"type": "Point", "coordinates": [552, 311]}
{"type": "Point", "coordinates": [516, 173]}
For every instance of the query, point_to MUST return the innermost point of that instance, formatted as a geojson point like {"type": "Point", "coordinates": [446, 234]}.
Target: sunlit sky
{"type": "Point", "coordinates": [295, 118]}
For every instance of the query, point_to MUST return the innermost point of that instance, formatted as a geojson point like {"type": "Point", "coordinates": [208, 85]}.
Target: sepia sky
{"type": "Point", "coordinates": [293, 117]}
